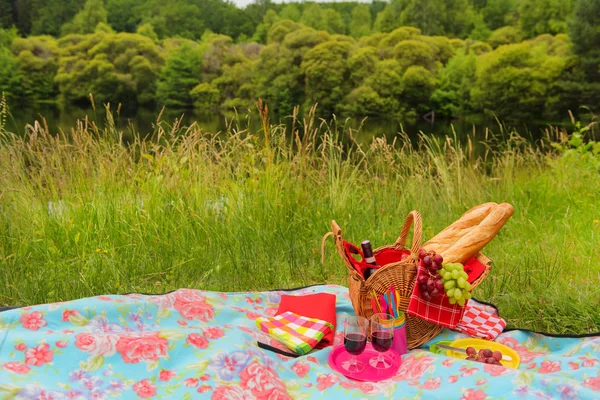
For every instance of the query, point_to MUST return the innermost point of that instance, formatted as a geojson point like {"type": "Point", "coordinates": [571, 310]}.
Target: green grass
{"type": "Point", "coordinates": [82, 214]}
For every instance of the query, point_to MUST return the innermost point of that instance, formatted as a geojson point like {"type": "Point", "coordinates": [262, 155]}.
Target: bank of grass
{"type": "Point", "coordinates": [82, 214]}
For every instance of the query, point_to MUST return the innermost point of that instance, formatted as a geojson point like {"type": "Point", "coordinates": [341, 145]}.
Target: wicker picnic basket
{"type": "Point", "coordinates": [401, 274]}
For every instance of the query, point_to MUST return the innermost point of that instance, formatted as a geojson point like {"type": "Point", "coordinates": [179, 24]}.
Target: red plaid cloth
{"type": "Point", "coordinates": [481, 321]}
{"type": "Point", "coordinates": [438, 311]}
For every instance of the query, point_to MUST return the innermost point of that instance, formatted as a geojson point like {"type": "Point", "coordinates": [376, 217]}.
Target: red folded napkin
{"type": "Point", "coordinates": [438, 311]}
{"type": "Point", "coordinates": [318, 305]}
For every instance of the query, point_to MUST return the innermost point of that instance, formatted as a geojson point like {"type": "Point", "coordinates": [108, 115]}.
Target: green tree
{"type": "Point", "coordinates": [313, 16]}
{"type": "Point", "coordinates": [418, 85]}
{"type": "Point", "coordinates": [291, 11]}
{"type": "Point", "coordinates": [181, 73]}
{"type": "Point", "coordinates": [585, 34]}
{"type": "Point", "coordinates": [52, 15]}
{"type": "Point", "coordinates": [544, 16]}
{"type": "Point", "coordinates": [86, 20]}
{"type": "Point", "coordinates": [361, 21]}
{"type": "Point", "coordinates": [438, 17]}
{"type": "Point", "coordinates": [148, 31]}
{"type": "Point", "coordinates": [518, 80]}
{"type": "Point", "coordinates": [326, 70]}
{"type": "Point", "coordinates": [387, 20]}
{"type": "Point", "coordinates": [480, 29]}
{"type": "Point", "coordinates": [174, 18]}
{"type": "Point", "coordinates": [505, 35]}
{"type": "Point", "coordinates": [453, 95]}
{"type": "Point", "coordinates": [120, 68]}
{"type": "Point", "coordinates": [7, 14]}
{"type": "Point", "coordinates": [263, 28]}
{"type": "Point", "coordinates": [10, 78]}
{"type": "Point", "coordinates": [124, 15]}
{"type": "Point", "coordinates": [333, 21]}
{"type": "Point", "coordinates": [37, 58]}
{"type": "Point", "coordinates": [498, 13]}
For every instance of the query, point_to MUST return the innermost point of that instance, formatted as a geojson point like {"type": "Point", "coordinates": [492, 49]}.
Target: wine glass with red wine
{"type": "Point", "coordinates": [355, 341]}
{"type": "Point", "coordinates": [382, 336]}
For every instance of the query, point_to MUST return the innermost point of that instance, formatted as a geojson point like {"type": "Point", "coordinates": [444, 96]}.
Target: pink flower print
{"type": "Point", "coordinates": [67, 313]}
{"type": "Point", "coordinates": [326, 381]}
{"type": "Point", "coordinates": [481, 382]}
{"type": "Point", "coordinates": [532, 366]}
{"type": "Point", "coordinates": [61, 343]}
{"type": "Point", "coordinates": [204, 388]}
{"type": "Point", "coordinates": [191, 382]}
{"type": "Point", "coordinates": [365, 387]}
{"type": "Point", "coordinates": [20, 346]}
{"type": "Point", "coordinates": [144, 389]}
{"type": "Point", "coordinates": [204, 377]}
{"type": "Point", "coordinates": [270, 311]}
{"type": "Point", "coordinates": [448, 362]}
{"type": "Point", "coordinates": [252, 315]}
{"type": "Point", "coordinates": [589, 362]}
{"type": "Point", "coordinates": [338, 338]}
{"type": "Point", "coordinates": [468, 371]}
{"type": "Point", "coordinates": [97, 344]}
{"type": "Point", "coordinates": [432, 383]}
{"type": "Point", "coordinates": [524, 353]}
{"type": "Point", "coordinates": [496, 370]}
{"type": "Point", "coordinates": [301, 368]}
{"type": "Point", "coordinates": [452, 378]}
{"type": "Point", "coordinates": [549, 367]}
{"type": "Point", "coordinates": [197, 341]}
{"type": "Point", "coordinates": [223, 296]}
{"type": "Point", "coordinates": [414, 367]}
{"type": "Point", "coordinates": [182, 322]}
{"type": "Point", "coordinates": [574, 366]}
{"type": "Point", "coordinates": [312, 359]}
{"type": "Point", "coordinates": [144, 347]}
{"type": "Point", "coordinates": [249, 300]}
{"type": "Point", "coordinates": [16, 367]}
{"type": "Point", "coordinates": [593, 383]}
{"type": "Point", "coordinates": [232, 392]}
{"type": "Point", "coordinates": [258, 301]}
{"type": "Point", "coordinates": [263, 382]}
{"type": "Point", "coordinates": [213, 332]}
{"type": "Point", "coordinates": [192, 305]}
{"type": "Point", "coordinates": [472, 394]}
{"type": "Point", "coordinates": [39, 355]}
{"type": "Point", "coordinates": [166, 375]}
{"type": "Point", "coordinates": [33, 321]}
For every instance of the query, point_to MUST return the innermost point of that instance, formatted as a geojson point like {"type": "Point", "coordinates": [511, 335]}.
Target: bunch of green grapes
{"type": "Point", "coordinates": [456, 285]}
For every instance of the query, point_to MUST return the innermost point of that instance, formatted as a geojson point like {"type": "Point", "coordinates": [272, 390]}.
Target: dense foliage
{"type": "Point", "coordinates": [511, 58]}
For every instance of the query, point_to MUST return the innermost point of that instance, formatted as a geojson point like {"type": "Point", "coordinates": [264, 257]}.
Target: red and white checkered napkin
{"type": "Point", "coordinates": [480, 320]}
{"type": "Point", "coordinates": [438, 311]}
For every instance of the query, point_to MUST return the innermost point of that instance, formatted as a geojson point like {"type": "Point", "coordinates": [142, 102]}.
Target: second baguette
{"type": "Point", "coordinates": [472, 243]}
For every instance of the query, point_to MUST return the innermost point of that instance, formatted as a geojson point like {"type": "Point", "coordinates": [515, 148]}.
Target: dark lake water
{"type": "Point", "coordinates": [142, 120]}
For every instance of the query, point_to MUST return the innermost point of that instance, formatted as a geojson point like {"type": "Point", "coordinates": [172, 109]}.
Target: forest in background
{"type": "Point", "coordinates": [510, 58]}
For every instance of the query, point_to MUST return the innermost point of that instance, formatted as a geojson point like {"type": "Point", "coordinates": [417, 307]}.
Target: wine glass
{"type": "Point", "coordinates": [382, 336]}
{"type": "Point", "coordinates": [355, 341]}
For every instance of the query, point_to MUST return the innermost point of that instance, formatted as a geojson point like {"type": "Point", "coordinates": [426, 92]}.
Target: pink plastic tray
{"type": "Point", "coordinates": [339, 355]}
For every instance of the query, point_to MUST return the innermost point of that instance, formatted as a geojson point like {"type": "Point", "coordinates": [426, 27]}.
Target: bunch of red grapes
{"type": "Point", "coordinates": [430, 282]}
{"type": "Point", "coordinates": [484, 355]}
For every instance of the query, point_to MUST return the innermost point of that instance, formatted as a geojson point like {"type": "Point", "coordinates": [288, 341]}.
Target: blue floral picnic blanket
{"type": "Point", "coordinates": [198, 344]}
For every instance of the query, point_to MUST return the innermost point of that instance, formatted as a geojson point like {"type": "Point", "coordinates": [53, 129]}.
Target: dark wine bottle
{"type": "Point", "coordinates": [369, 258]}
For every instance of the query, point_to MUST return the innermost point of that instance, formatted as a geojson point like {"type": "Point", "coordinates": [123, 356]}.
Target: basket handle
{"type": "Point", "coordinates": [414, 219]}
{"type": "Point", "coordinates": [336, 232]}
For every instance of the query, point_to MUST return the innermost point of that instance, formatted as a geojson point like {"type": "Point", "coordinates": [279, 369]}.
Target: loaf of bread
{"type": "Point", "coordinates": [476, 239]}
{"type": "Point", "coordinates": [466, 223]}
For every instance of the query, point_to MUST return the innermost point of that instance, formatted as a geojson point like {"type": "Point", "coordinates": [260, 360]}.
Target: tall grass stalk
{"type": "Point", "coordinates": [82, 213]}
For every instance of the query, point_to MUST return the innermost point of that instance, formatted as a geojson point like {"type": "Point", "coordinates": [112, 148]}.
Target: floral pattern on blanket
{"type": "Point", "coordinates": [199, 344]}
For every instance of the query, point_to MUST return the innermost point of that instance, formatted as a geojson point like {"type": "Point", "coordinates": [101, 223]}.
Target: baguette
{"type": "Point", "coordinates": [472, 243]}
{"type": "Point", "coordinates": [466, 223]}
